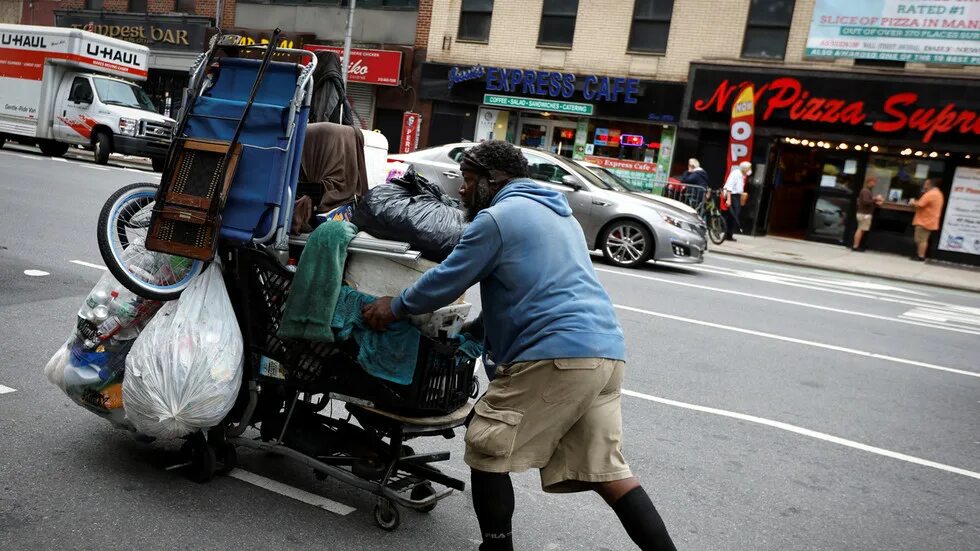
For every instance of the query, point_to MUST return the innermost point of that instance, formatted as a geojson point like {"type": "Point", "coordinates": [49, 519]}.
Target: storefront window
{"type": "Point", "coordinates": [624, 140]}
{"type": "Point", "coordinates": [901, 178]}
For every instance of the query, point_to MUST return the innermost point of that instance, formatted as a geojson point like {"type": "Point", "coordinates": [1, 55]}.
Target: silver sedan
{"type": "Point", "coordinates": [629, 228]}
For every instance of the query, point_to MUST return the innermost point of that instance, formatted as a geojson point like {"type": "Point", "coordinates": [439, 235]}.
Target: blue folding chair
{"type": "Point", "coordinates": [261, 197]}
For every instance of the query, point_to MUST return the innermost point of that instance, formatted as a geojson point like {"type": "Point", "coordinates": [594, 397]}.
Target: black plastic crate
{"type": "Point", "coordinates": [442, 382]}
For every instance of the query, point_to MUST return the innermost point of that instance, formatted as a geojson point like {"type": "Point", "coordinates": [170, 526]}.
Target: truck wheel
{"type": "Point", "coordinates": [53, 149]}
{"type": "Point", "coordinates": [103, 147]}
{"type": "Point", "coordinates": [158, 164]}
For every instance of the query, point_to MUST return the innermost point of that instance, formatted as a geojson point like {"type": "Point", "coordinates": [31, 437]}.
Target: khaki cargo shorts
{"type": "Point", "coordinates": [922, 234]}
{"type": "Point", "coordinates": [561, 416]}
{"type": "Point", "coordinates": [864, 221]}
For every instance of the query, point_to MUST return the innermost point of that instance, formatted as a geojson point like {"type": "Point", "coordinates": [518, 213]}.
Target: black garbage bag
{"type": "Point", "coordinates": [411, 209]}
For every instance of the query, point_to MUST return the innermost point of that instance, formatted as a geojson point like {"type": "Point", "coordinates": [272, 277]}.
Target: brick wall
{"type": "Point", "coordinates": [423, 23]}
{"type": "Point", "coordinates": [701, 30]}
{"type": "Point", "coordinates": [201, 7]}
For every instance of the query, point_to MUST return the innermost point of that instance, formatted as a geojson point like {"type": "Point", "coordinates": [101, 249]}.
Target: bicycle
{"type": "Point", "coordinates": [713, 218]}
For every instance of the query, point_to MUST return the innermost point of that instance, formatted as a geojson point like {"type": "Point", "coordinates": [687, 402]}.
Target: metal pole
{"type": "Point", "coordinates": [218, 8]}
{"type": "Point", "coordinates": [347, 36]}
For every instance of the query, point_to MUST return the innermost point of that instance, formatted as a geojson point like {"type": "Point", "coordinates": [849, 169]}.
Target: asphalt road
{"type": "Point", "coordinates": [767, 408]}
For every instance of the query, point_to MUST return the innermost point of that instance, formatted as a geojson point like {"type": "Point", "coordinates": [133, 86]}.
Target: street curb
{"type": "Point", "coordinates": [852, 271]}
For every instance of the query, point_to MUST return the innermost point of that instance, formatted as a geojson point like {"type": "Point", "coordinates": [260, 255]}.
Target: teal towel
{"type": "Point", "coordinates": [388, 355]}
{"type": "Point", "coordinates": [313, 294]}
{"type": "Point", "coordinates": [469, 348]}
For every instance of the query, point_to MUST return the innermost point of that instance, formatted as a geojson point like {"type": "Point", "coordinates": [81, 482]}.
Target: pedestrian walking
{"type": "Point", "coordinates": [928, 208]}
{"type": "Point", "coordinates": [698, 178]}
{"type": "Point", "coordinates": [732, 192]}
{"type": "Point", "coordinates": [865, 211]}
{"type": "Point", "coordinates": [554, 401]}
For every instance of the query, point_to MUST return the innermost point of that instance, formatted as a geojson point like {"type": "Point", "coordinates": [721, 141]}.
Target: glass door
{"type": "Point", "coordinates": [832, 211]}
{"type": "Point", "coordinates": [562, 138]}
{"type": "Point", "coordinates": [554, 136]}
{"type": "Point", "coordinates": [534, 133]}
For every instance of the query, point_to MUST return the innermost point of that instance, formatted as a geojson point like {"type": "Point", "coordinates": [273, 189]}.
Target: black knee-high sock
{"type": "Point", "coordinates": [642, 521]}
{"type": "Point", "coordinates": [493, 501]}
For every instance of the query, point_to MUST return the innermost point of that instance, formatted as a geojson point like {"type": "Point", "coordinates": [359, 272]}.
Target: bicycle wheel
{"type": "Point", "coordinates": [123, 225]}
{"type": "Point", "coordinates": [717, 227]}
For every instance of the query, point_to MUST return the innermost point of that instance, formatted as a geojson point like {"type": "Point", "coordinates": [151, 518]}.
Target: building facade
{"type": "Point", "coordinates": [844, 92]}
{"type": "Point", "coordinates": [388, 43]}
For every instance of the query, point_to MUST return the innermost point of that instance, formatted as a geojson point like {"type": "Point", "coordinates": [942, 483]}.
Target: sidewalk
{"type": "Point", "coordinates": [843, 259]}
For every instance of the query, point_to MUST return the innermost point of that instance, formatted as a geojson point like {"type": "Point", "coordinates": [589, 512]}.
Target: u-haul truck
{"type": "Point", "coordinates": [63, 87]}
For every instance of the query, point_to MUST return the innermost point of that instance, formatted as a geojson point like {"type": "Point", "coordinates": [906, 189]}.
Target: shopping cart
{"type": "Point", "coordinates": [256, 105]}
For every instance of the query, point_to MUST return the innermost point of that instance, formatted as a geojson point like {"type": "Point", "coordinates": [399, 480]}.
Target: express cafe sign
{"type": "Point", "coordinates": [869, 105]}
{"type": "Point", "coordinates": [550, 84]}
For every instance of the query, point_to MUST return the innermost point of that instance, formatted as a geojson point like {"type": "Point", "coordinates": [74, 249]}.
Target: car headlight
{"type": "Point", "coordinates": [128, 126]}
{"type": "Point", "coordinates": [672, 221]}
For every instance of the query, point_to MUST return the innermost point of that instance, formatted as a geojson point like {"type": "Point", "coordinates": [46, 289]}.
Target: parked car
{"type": "Point", "coordinates": [612, 179]}
{"type": "Point", "coordinates": [629, 228]}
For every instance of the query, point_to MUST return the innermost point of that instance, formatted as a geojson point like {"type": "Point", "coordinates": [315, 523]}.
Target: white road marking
{"type": "Point", "coordinates": [88, 264]}
{"type": "Point", "coordinates": [94, 167]}
{"type": "Point", "coordinates": [805, 432]}
{"type": "Point", "coordinates": [59, 159]}
{"type": "Point", "coordinates": [760, 275]}
{"type": "Point", "coordinates": [804, 342]}
{"type": "Point", "coordinates": [959, 315]}
{"type": "Point", "coordinates": [793, 302]}
{"type": "Point", "coordinates": [291, 492]}
{"type": "Point", "coordinates": [843, 282]}
{"type": "Point", "coordinates": [36, 273]}
{"type": "Point", "coordinates": [6, 389]}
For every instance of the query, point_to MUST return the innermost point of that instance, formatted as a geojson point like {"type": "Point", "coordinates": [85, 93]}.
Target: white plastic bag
{"type": "Point", "coordinates": [185, 369]}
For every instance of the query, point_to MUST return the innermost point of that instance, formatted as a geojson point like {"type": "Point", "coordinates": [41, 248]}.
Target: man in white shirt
{"type": "Point", "coordinates": [734, 187]}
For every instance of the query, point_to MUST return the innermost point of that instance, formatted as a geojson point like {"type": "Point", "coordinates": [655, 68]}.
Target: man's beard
{"type": "Point", "coordinates": [481, 200]}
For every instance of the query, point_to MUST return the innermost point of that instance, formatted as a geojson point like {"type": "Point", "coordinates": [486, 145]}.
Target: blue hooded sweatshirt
{"type": "Point", "coordinates": [541, 297]}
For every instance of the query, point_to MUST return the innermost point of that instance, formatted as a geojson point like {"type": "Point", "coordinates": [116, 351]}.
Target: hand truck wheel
{"type": "Point", "coordinates": [227, 455]}
{"type": "Point", "coordinates": [201, 457]}
{"type": "Point", "coordinates": [421, 492]}
{"type": "Point", "coordinates": [386, 514]}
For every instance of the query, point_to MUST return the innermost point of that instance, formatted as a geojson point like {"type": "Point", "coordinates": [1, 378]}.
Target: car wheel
{"type": "Point", "coordinates": [103, 147]}
{"type": "Point", "coordinates": [626, 243]}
